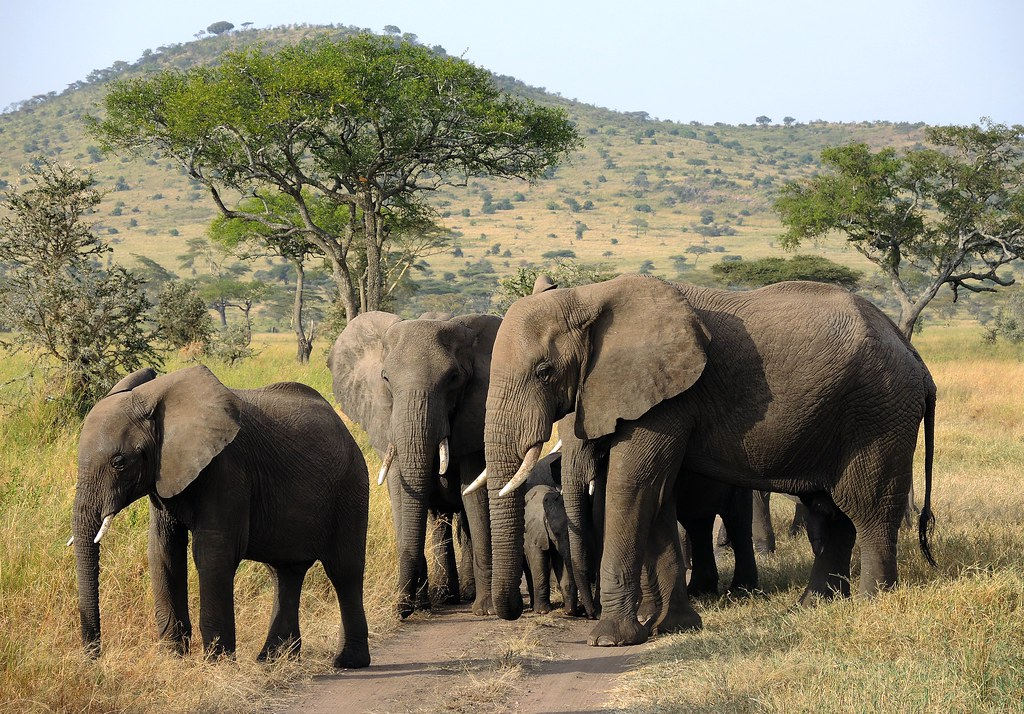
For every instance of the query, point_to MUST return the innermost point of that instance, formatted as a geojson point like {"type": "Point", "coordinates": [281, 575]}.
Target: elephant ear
{"type": "Point", "coordinates": [130, 382]}
{"type": "Point", "coordinates": [543, 283]}
{"type": "Point", "coordinates": [646, 345]}
{"type": "Point", "coordinates": [196, 417]}
{"type": "Point", "coordinates": [468, 424]}
{"type": "Point", "coordinates": [355, 362]}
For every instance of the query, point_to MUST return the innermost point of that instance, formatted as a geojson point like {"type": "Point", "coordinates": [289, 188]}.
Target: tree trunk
{"type": "Point", "coordinates": [373, 235]}
{"type": "Point", "coordinates": [305, 343]}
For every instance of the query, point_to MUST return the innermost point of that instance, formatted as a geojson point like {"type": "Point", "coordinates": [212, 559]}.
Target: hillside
{"type": "Point", "coordinates": [637, 196]}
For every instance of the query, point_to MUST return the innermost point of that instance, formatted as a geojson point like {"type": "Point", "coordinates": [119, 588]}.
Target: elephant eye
{"type": "Point", "coordinates": [383, 375]}
{"type": "Point", "coordinates": [118, 461]}
{"type": "Point", "coordinates": [544, 372]}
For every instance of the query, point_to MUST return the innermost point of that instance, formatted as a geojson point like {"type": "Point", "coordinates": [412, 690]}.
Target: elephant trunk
{"type": "Point", "coordinates": [419, 427]}
{"type": "Point", "coordinates": [85, 526]}
{"type": "Point", "coordinates": [577, 511]}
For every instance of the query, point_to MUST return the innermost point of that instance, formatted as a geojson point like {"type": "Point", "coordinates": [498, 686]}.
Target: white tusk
{"type": "Point", "coordinates": [103, 529]}
{"type": "Point", "coordinates": [529, 461]}
{"type": "Point", "coordinates": [389, 456]}
{"type": "Point", "coordinates": [591, 488]}
{"type": "Point", "coordinates": [556, 447]}
{"type": "Point", "coordinates": [477, 483]}
{"type": "Point", "coordinates": [442, 450]}
{"type": "Point", "coordinates": [71, 541]}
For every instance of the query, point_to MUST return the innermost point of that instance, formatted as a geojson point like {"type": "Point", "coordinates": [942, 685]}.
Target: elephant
{"type": "Point", "coordinates": [546, 539]}
{"type": "Point", "coordinates": [698, 501]}
{"type": "Point", "coordinates": [268, 474]}
{"type": "Point", "coordinates": [418, 388]}
{"type": "Point", "coordinates": [798, 387]}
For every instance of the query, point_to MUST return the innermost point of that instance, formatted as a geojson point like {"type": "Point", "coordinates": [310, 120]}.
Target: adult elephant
{"type": "Point", "coordinates": [418, 388]}
{"type": "Point", "coordinates": [267, 474]}
{"type": "Point", "coordinates": [797, 387]}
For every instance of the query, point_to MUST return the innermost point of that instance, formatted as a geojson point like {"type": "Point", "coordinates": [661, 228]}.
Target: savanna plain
{"type": "Point", "coordinates": [947, 639]}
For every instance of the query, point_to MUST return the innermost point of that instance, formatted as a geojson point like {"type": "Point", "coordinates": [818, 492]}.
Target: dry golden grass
{"type": "Point", "coordinates": [947, 639]}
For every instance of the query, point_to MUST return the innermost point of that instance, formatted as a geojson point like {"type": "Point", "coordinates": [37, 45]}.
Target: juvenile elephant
{"type": "Point", "coordinates": [797, 387]}
{"type": "Point", "coordinates": [546, 539]}
{"type": "Point", "coordinates": [269, 474]}
{"type": "Point", "coordinates": [418, 388]}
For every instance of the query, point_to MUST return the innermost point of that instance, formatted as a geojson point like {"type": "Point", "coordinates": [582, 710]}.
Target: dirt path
{"type": "Point", "coordinates": [452, 661]}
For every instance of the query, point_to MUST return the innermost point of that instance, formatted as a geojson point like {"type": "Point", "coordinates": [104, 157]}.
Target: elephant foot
{"type": "Point", "coordinates": [680, 620]}
{"type": "Point", "coordinates": [764, 547]}
{"type": "Point", "coordinates": [353, 657]}
{"type": "Point", "coordinates": [647, 611]}
{"type": "Point", "coordinates": [703, 586]}
{"type": "Point", "coordinates": [542, 608]}
{"type": "Point", "coordinates": [483, 606]}
{"type": "Point", "coordinates": [618, 633]}
{"type": "Point", "coordinates": [288, 648]}
{"type": "Point", "coordinates": [810, 597]}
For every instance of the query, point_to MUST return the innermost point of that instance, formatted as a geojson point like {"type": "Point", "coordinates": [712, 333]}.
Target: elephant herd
{"type": "Point", "coordinates": [673, 404]}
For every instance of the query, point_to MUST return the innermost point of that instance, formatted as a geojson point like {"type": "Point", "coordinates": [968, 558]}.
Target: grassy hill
{"type": "Point", "coordinates": [638, 195]}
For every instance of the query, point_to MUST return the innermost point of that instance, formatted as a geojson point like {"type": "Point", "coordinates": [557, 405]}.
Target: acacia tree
{"type": "Point", "coordinates": [367, 122]}
{"type": "Point", "coordinates": [953, 214]}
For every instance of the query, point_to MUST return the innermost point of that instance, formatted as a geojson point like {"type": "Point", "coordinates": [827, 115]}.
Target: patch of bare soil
{"type": "Point", "coordinates": [452, 661]}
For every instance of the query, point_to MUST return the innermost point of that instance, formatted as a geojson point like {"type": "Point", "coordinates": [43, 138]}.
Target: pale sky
{"type": "Point", "coordinates": [936, 61]}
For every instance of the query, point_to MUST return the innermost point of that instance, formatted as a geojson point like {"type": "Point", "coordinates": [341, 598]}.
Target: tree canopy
{"type": "Point", "coordinates": [366, 122]}
{"type": "Point", "coordinates": [953, 213]}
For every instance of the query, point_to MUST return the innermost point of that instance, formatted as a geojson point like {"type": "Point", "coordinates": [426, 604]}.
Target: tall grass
{"type": "Point", "coordinates": [947, 639]}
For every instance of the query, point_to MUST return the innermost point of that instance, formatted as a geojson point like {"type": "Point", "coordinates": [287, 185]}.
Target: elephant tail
{"type": "Point", "coordinates": [927, 518]}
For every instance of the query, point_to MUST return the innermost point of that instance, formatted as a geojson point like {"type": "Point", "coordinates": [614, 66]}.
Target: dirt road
{"type": "Point", "coordinates": [451, 661]}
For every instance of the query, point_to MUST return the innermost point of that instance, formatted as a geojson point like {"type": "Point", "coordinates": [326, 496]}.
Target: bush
{"type": "Point", "coordinates": [182, 316]}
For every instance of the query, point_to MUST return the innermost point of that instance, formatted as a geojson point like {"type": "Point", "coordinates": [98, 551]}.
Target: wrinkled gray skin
{"type": "Point", "coordinates": [546, 539]}
{"type": "Point", "coordinates": [698, 501]}
{"type": "Point", "coordinates": [414, 383]}
{"type": "Point", "coordinates": [798, 387]}
{"type": "Point", "coordinates": [268, 474]}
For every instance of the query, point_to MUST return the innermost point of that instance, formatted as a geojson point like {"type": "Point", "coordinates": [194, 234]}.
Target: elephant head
{"type": "Point", "coordinates": [148, 436]}
{"type": "Point", "coordinates": [607, 352]}
{"type": "Point", "coordinates": [418, 388]}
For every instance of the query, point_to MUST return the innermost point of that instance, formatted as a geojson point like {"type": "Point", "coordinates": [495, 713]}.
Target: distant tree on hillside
{"type": "Point", "coordinates": [763, 120]}
{"type": "Point", "coordinates": [392, 30]}
{"type": "Point", "coordinates": [953, 214]}
{"type": "Point", "coordinates": [766, 271]}
{"type": "Point", "coordinates": [219, 28]}
{"type": "Point", "coordinates": [365, 122]}
{"type": "Point", "coordinates": [788, 121]}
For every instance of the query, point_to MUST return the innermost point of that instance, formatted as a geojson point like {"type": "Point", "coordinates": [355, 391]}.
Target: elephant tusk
{"type": "Point", "coordinates": [442, 451]}
{"type": "Point", "coordinates": [71, 541]}
{"type": "Point", "coordinates": [556, 447]}
{"type": "Point", "coordinates": [529, 461]}
{"type": "Point", "coordinates": [389, 456]}
{"type": "Point", "coordinates": [591, 488]}
{"type": "Point", "coordinates": [103, 529]}
{"type": "Point", "coordinates": [477, 483]}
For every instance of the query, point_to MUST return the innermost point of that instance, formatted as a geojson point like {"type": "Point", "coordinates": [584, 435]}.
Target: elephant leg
{"type": "Point", "coordinates": [704, 572]}
{"type": "Point", "coordinates": [665, 558]}
{"type": "Point", "coordinates": [284, 638]}
{"type": "Point", "coordinates": [216, 570]}
{"type": "Point", "coordinates": [540, 570]}
{"type": "Point", "coordinates": [467, 583]}
{"type": "Point", "coordinates": [761, 523]}
{"type": "Point", "coordinates": [561, 563]}
{"type": "Point", "coordinates": [168, 568]}
{"type": "Point", "coordinates": [345, 571]}
{"type": "Point", "coordinates": [444, 559]}
{"type": "Point", "coordinates": [878, 526]}
{"type": "Point", "coordinates": [799, 520]}
{"type": "Point", "coordinates": [478, 519]}
{"type": "Point", "coordinates": [835, 534]}
{"type": "Point", "coordinates": [638, 521]}
{"type": "Point", "coordinates": [738, 518]}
